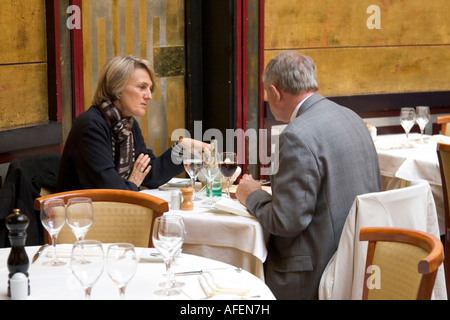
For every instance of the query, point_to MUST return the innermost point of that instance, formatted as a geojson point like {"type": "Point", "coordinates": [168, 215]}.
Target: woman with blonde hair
{"type": "Point", "coordinates": [105, 147]}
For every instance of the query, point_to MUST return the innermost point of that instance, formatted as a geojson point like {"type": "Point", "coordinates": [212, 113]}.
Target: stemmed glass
{"type": "Point", "coordinates": [193, 163]}
{"type": "Point", "coordinates": [228, 166]}
{"type": "Point", "coordinates": [87, 273]}
{"type": "Point", "coordinates": [53, 214]}
{"type": "Point", "coordinates": [168, 237]}
{"type": "Point", "coordinates": [121, 264]}
{"type": "Point", "coordinates": [210, 170]}
{"type": "Point", "coordinates": [407, 120]}
{"type": "Point", "coordinates": [79, 216]}
{"type": "Point", "coordinates": [422, 119]}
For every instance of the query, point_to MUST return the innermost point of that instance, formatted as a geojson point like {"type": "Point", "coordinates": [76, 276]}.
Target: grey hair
{"type": "Point", "coordinates": [291, 72]}
{"type": "Point", "coordinates": [115, 75]}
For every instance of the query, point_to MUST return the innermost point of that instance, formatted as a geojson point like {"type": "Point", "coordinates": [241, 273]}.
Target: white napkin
{"type": "Point", "coordinates": [233, 206]}
{"type": "Point", "coordinates": [212, 284]}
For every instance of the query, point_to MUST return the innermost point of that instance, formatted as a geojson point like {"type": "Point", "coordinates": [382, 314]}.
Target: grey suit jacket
{"type": "Point", "coordinates": [326, 158]}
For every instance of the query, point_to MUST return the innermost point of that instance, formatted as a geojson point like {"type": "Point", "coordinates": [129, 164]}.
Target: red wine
{"type": "Point", "coordinates": [228, 168]}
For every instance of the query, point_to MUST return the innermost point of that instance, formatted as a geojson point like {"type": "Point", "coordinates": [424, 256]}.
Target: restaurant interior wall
{"type": "Point", "coordinates": [373, 71]}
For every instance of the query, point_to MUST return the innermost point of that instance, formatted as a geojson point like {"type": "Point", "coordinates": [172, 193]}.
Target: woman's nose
{"type": "Point", "coordinates": [148, 94]}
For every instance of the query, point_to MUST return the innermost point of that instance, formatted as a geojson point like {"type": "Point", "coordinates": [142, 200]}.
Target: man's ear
{"type": "Point", "coordinates": [275, 92]}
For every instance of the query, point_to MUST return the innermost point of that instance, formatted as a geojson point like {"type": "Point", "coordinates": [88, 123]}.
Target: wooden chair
{"type": "Point", "coordinates": [406, 263]}
{"type": "Point", "coordinates": [443, 151]}
{"type": "Point", "coordinates": [119, 215]}
{"type": "Point", "coordinates": [444, 121]}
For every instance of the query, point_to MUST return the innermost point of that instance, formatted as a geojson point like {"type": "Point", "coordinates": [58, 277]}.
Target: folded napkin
{"type": "Point", "coordinates": [212, 285]}
{"type": "Point", "coordinates": [232, 206]}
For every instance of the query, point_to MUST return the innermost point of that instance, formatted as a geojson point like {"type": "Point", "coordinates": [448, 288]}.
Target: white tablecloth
{"type": "Point", "coordinates": [48, 283]}
{"type": "Point", "coordinates": [412, 207]}
{"type": "Point", "coordinates": [400, 165]}
{"type": "Point", "coordinates": [221, 236]}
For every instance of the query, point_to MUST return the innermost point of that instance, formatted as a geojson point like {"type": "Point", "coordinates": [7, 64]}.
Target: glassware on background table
{"type": "Point", "coordinates": [168, 236]}
{"type": "Point", "coordinates": [422, 119]}
{"type": "Point", "coordinates": [210, 170]}
{"type": "Point", "coordinates": [53, 216]}
{"type": "Point", "coordinates": [407, 120]}
{"type": "Point", "coordinates": [228, 166]}
{"type": "Point", "coordinates": [121, 265]}
{"type": "Point", "coordinates": [193, 163]}
{"type": "Point", "coordinates": [79, 216]}
{"type": "Point", "coordinates": [87, 262]}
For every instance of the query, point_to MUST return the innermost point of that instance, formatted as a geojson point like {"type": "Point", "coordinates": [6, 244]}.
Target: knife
{"type": "Point", "coordinates": [188, 273]}
{"type": "Point", "coordinates": [39, 252]}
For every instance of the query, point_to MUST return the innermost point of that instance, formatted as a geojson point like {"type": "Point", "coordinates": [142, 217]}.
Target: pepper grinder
{"type": "Point", "coordinates": [187, 204]}
{"type": "Point", "coordinates": [18, 262]}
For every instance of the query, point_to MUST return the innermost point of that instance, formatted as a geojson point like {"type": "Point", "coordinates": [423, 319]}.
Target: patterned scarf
{"type": "Point", "coordinates": [122, 138]}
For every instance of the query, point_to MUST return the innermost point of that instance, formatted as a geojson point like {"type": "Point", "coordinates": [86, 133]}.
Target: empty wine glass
{"type": "Point", "coordinates": [168, 236]}
{"type": "Point", "coordinates": [193, 163]}
{"type": "Point", "coordinates": [53, 213]}
{"type": "Point", "coordinates": [87, 273]}
{"type": "Point", "coordinates": [422, 119]}
{"type": "Point", "coordinates": [210, 170]}
{"type": "Point", "coordinates": [79, 216]}
{"type": "Point", "coordinates": [121, 265]}
{"type": "Point", "coordinates": [407, 120]}
{"type": "Point", "coordinates": [228, 166]}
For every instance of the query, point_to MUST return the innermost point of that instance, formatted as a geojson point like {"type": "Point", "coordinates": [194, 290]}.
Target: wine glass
{"type": "Point", "coordinates": [407, 120]}
{"type": "Point", "coordinates": [193, 163]}
{"type": "Point", "coordinates": [121, 264]}
{"type": "Point", "coordinates": [228, 166]}
{"type": "Point", "coordinates": [87, 273]}
{"type": "Point", "coordinates": [168, 237]}
{"type": "Point", "coordinates": [210, 170]}
{"type": "Point", "coordinates": [53, 214]}
{"type": "Point", "coordinates": [79, 216]}
{"type": "Point", "coordinates": [422, 119]}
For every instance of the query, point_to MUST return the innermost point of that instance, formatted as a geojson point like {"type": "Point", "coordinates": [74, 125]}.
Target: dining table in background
{"type": "Point", "coordinates": [220, 235]}
{"type": "Point", "coordinates": [58, 283]}
{"type": "Point", "coordinates": [400, 165]}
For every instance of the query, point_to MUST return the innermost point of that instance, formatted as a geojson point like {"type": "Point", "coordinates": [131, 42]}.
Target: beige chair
{"type": "Point", "coordinates": [443, 151]}
{"type": "Point", "coordinates": [119, 215]}
{"type": "Point", "coordinates": [403, 261]}
{"type": "Point", "coordinates": [444, 121]}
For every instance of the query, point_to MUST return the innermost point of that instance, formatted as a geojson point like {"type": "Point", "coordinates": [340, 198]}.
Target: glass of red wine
{"type": "Point", "coordinates": [228, 166]}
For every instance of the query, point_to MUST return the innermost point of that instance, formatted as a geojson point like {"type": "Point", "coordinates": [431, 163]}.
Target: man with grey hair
{"type": "Point", "coordinates": [326, 158]}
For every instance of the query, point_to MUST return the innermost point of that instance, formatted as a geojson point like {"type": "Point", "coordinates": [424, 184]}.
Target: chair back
{"type": "Point", "coordinates": [401, 263]}
{"type": "Point", "coordinates": [443, 151]}
{"type": "Point", "coordinates": [444, 121]}
{"type": "Point", "coordinates": [119, 215]}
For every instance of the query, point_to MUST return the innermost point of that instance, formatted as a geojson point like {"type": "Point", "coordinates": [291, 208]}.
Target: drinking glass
{"type": "Point", "coordinates": [407, 120]}
{"type": "Point", "coordinates": [53, 213]}
{"type": "Point", "coordinates": [210, 170]}
{"type": "Point", "coordinates": [87, 273]}
{"type": "Point", "coordinates": [422, 119]}
{"type": "Point", "coordinates": [79, 216]}
{"type": "Point", "coordinates": [168, 237]}
{"type": "Point", "coordinates": [121, 265]}
{"type": "Point", "coordinates": [193, 163]}
{"type": "Point", "coordinates": [228, 166]}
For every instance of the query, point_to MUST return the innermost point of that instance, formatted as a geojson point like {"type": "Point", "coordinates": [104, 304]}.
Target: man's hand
{"type": "Point", "coordinates": [246, 186]}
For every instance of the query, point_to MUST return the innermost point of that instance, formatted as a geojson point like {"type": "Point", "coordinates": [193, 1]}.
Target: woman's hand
{"type": "Point", "coordinates": [194, 146]}
{"type": "Point", "coordinates": [140, 169]}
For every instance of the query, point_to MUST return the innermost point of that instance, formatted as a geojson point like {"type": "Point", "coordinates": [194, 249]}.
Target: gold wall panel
{"type": "Point", "coordinates": [23, 95]}
{"type": "Point", "coordinates": [23, 64]}
{"type": "Point", "coordinates": [409, 53]}
{"type": "Point", "coordinates": [23, 31]}
{"type": "Point", "coordinates": [354, 71]}
{"type": "Point", "coordinates": [138, 27]}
